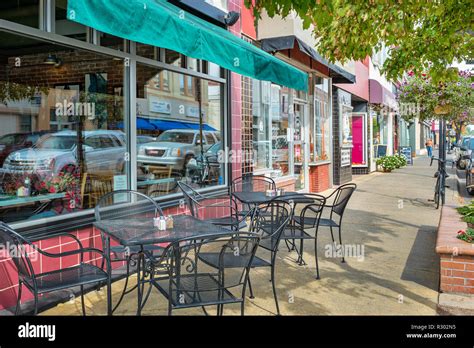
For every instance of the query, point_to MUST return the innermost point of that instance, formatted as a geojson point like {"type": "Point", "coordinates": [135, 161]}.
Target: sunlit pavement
{"type": "Point", "coordinates": [391, 225]}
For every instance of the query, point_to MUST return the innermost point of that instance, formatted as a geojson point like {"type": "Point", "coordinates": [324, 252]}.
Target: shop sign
{"type": "Point", "coordinates": [192, 111]}
{"type": "Point", "coordinates": [345, 157]}
{"type": "Point", "coordinates": [159, 106]}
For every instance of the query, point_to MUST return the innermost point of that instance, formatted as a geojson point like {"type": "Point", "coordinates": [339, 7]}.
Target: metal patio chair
{"type": "Point", "coordinates": [21, 251]}
{"type": "Point", "coordinates": [192, 283]}
{"type": "Point", "coordinates": [117, 205]}
{"type": "Point", "coordinates": [303, 223]}
{"type": "Point", "coordinates": [269, 226]}
{"type": "Point", "coordinates": [341, 197]}
{"type": "Point", "coordinates": [251, 183]}
{"type": "Point", "coordinates": [194, 201]}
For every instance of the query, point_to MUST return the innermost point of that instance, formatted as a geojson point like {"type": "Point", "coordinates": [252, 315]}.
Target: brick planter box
{"type": "Point", "coordinates": [456, 256]}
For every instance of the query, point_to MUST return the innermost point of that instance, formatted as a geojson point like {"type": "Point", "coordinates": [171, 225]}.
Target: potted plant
{"type": "Point", "coordinates": [467, 212]}
{"type": "Point", "coordinates": [387, 163]}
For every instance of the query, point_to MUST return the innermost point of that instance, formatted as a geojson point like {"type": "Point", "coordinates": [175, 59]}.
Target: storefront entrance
{"type": "Point", "coordinates": [299, 147]}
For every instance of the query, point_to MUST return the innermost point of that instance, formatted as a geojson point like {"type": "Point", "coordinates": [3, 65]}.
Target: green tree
{"type": "Point", "coordinates": [423, 35]}
{"type": "Point", "coordinates": [419, 96]}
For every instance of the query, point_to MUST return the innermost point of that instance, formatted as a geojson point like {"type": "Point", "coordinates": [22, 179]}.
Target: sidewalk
{"type": "Point", "coordinates": [389, 220]}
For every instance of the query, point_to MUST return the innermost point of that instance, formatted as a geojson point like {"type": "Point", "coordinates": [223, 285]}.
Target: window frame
{"type": "Point", "coordinates": [62, 223]}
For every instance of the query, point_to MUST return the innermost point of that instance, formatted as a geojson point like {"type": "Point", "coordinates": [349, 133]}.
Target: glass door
{"type": "Point", "coordinates": [299, 146]}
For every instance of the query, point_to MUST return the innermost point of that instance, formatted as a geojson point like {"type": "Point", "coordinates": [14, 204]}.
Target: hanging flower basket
{"type": "Point", "coordinates": [442, 109]}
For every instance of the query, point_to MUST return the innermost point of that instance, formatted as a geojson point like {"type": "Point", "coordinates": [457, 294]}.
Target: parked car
{"type": "Point", "coordinates": [104, 153]}
{"type": "Point", "coordinates": [470, 174]}
{"type": "Point", "coordinates": [174, 148]}
{"type": "Point", "coordinates": [461, 151]}
{"type": "Point", "coordinates": [16, 141]}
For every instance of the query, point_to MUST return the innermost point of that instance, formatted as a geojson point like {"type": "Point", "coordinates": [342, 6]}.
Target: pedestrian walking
{"type": "Point", "coordinates": [429, 147]}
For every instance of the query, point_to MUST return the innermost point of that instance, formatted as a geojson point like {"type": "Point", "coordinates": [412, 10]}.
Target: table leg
{"type": "Point", "coordinates": [109, 276]}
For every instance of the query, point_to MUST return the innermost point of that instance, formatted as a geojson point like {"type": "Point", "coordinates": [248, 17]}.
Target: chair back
{"type": "Point", "coordinates": [191, 197]}
{"type": "Point", "coordinates": [121, 203]}
{"type": "Point", "coordinates": [308, 207]}
{"type": "Point", "coordinates": [17, 247]}
{"type": "Point", "coordinates": [192, 281]}
{"type": "Point", "coordinates": [271, 221]}
{"type": "Point", "coordinates": [253, 183]}
{"type": "Point", "coordinates": [343, 194]}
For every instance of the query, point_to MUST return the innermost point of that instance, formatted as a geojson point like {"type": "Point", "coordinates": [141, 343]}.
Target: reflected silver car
{"type": "Point", "coordinates": [175, 147]}
{"type": "Point", "coordinates": [104, 153]}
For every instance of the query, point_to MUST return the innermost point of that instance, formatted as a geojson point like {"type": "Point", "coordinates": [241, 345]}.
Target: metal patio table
{"type": "Point", "coordinates": [254, 199]}
{"type": "Point", "coordinates": [140, 232]}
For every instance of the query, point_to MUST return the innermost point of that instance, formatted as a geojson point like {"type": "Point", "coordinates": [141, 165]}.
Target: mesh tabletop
{"type": "Point", "coordinates": [250, 197]}
{"type": "Point", "coordinates": [141, 231]}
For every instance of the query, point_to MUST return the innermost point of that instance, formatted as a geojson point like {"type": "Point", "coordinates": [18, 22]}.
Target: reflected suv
{"type": "Point", "coordinates": [175, 147]}
{"type": "Point", "coordinates": [16, 141]}
{"type": "Point", "coordinates": [104, 153]}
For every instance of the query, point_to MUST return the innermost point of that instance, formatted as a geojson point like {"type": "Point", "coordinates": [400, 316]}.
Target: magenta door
{"type": "Point", "coordinates": [358, 139]}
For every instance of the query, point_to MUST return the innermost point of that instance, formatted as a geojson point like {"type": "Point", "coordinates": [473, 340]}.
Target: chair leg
{"type": "Point", "coordinates": [125, 285]}
{"type": "Point", "coordinates": [250, 288]}
{"type": "Point", "coordinates": [274, 288]}
{"type": "Point", "coordinates": [242, 307]}
{"type": "Point", "coordinates": [340, 244]}
{"type": "Point", "coordinates": [18, 300]}
{"type": "Point", "coordinates": [316, 254]}
{"type": "Point", "coordinates": [82, 301]}
{"type": "Point", "coordinates": [36, 304]}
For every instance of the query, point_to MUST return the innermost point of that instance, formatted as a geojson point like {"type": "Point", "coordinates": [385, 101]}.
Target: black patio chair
{"type": "Point", "coordinates": [191, 283]}
{"type": "Point", "coordinates": [117, 205]}
{"type": "Point", "coordinates": [269, 226]}
{"type": "Point", "coordinates": [21, 251]}
{"type": "Point", "coordinates": [251, 183]}
{"type": "Point", "coordinates": [340, 198]}
{"type": "Point", "coordinates": [304, 225]}
{"type": "Point", "coordinates": [194, 201]}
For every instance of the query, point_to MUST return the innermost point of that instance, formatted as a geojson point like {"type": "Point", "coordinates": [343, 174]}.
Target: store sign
{"type": "Point", "coordinates": [159, 106]}
{"type": "Point", "coordinates": [192, 111]}
{"type": "Point", "coordinates": [345, 157]}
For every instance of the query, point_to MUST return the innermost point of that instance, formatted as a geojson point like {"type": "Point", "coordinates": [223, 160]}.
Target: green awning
{"type": "Point", "coordinates": [159, 23]}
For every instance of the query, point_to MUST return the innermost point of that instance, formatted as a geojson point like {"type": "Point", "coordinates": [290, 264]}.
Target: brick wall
{"type": "Point", "coordinates": [457, 274]}
{"type": "Point", "coordinates": [319, 178]}
{"type": "Point", "coordinates": [456, 256]}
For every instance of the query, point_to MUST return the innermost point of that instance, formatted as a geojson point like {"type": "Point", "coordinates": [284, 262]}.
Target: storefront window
{"type": "Point", "coordinates": [321, 124]}
{"type": "Point", "coordinates": [279, 114]}
{"type": "Point", "coordinates": [24, 12]}
{"type": "Point", "coordinates": [61, 144]}
{"type": "Point", "coordinates": [261, 125]}
{"type": "Point", "coordinates": [175, 141]}
{"type": "Point", "coordinates": [66, 27]}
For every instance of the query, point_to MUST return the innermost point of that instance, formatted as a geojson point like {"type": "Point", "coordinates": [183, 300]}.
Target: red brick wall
{"type": "Point", "coordinates": [319, 178]}
{"type": "Point", "coordinates": [457, 274]}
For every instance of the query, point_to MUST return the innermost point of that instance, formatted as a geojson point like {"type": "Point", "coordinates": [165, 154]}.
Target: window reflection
{"type": "Point", "coordinates": [61, 144]}
{"type": "Point", "coordinates": [175, 140]}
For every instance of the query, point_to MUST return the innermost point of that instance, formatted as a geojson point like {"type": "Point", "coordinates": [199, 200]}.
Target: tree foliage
{"type": "Point", "coordinates": [419, 96]}
{"type": "Point", "coordinates": [423, 35]}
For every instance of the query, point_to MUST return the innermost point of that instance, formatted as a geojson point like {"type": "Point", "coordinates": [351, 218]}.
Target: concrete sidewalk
{"type": "Point", "coordinates": [392, 225]}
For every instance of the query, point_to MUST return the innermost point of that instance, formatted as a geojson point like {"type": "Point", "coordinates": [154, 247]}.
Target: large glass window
{"type": "Point", "coordinates": [261, 135]}
{"type": "Point", "coordinates": [24, 12]}
{"type": "Point", "coordinates": [61, 144]}
{"type": "Point", "coordinates": [320, 124]}
{"type": "Point", "coordinates": [66, 27]}
{"type": "Point", "coordinates": [178, 131]}
{"type": "Point", "coordinates": [279, 112]}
